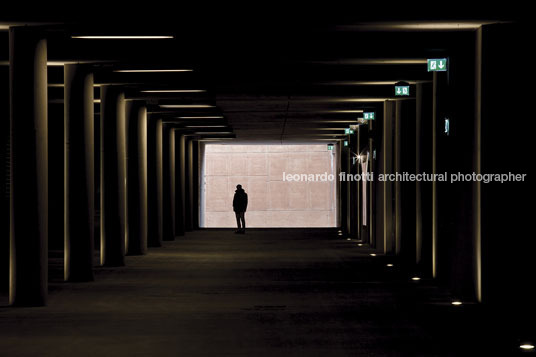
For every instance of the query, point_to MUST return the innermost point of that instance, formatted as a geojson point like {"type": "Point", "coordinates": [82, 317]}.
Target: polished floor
{"type": "Point", "coordinates": [292, 292]}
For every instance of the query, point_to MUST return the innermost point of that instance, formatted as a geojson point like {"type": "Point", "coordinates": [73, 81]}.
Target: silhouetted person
{"type": "Point", "coordinates": [240, 203]}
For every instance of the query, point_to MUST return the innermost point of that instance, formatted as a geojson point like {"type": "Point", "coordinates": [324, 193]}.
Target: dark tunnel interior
{"type": "Point", "coordinates": [385, 153]}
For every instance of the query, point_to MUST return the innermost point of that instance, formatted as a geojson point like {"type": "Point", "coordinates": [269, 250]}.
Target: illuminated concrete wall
{"type": "Point", "coordinates": [273, 202]}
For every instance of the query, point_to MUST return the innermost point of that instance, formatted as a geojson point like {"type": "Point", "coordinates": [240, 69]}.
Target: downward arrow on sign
{"type": "Point", "coordinates": [441, 65]}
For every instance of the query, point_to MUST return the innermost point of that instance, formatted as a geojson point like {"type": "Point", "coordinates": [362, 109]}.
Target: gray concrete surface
{"type": "Point", "coordinates": [267, 293]}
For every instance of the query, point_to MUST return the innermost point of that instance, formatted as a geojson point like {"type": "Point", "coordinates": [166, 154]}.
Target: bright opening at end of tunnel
{"type": "Point", "coordinates": [273, 202]}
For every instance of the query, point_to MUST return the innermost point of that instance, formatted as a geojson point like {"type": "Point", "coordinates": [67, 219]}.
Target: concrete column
{"type": "Point", "coordinates": [4, 179]}
{"type": "Point", "coordinates": [136, 114]}
{"type": "Point", "coordinates": [79, 173]}
{"type": "Point", "coordinates": [440, 104]}
{"type": "Point", "coordinates": [172, 180]}
{"type": "Point", "coordinates": [423, 163]}
{"type": "Point", "coordinates": [160, 177]}
{"type": "Point", "coordinates": [195, 187]}
{"type": "Point", "coordinates": [371, 186]}
{"type": "Point", "coordinates": [114, 233]}
{"type": "Point", "coordinates": [179, 194]}
{"type": "Point", "coordinates": [397, 165]}
{"type": "Point", "coordinates": [168, 150]}
{"type": "Point", "coordinates": [352, 204]}
{"type": "Point", "coordinates": [154, 237]}
{"type": "Point", "coordinates": [56, 175]}
{"type": "Point", "coordinates": [182, 173]}
{"type": "Point", "coordinates": [348, 183]}
{"type": "Point", "coordinates": [344, 188]}
{"type": "Point", "coordinates": [190, 185]}
{"type": "Point", "coordinates": [387, 162]}
{"type": "Point", "coordinates": [29, 167]}
{"type": "Point", "coordinates": [359, 212]}
{"type": "Point", "coordinates": [434, 171]}
{"type": "Point", "coordinates": [418, 187]}
{"type": "Point", "coordinates": [477, 165]}
{"type": "Point", "coordinates": [201, 187]}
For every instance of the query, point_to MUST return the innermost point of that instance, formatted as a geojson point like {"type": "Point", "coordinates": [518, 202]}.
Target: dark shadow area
{"type": "Point", "coordinates": [269, 292]}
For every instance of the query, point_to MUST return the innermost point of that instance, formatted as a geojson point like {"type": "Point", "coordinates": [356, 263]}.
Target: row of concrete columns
{"type": "Point", "coordinates": [352, 218]}
{"type": "Point", "coordinates": [125, 129]}
{"type": "Point", "coordinates": [435, 227]}
{"type": "Point", "coordinates": [180, 186]}
{"type": "Point", "coordinates": [399, 140]}
{"type": "Point", "coordinates": [139, 206]}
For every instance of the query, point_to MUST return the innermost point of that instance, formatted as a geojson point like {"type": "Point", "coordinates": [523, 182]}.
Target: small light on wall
{"type": "Point", "coordinates": [527, 347]}
{"type": "Point", "coordinates": [372, 254]}
{"type": "Point", "coordinates": [456, 303]}
{"type": "Point", "coordinates": [359, 245]}
{"type": "Point", "coordinates": [390, 265]}
{"type": "Point", "coordinates": [415, 278]}
{"type": "Point", "coordinates": [348, 238]}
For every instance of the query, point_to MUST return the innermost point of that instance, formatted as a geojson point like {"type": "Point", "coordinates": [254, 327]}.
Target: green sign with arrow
{"type": "Point", "coordinates": [437, 65]}
{"type": "Point", "coordinates": [401, 90]}
{"type": "Point", "coordinates": [368, 115]}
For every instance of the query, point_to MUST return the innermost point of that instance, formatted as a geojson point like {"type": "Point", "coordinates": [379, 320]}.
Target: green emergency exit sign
{"type": "Point", "coordinates": [437, 65]}
{"type": "Point", "coordinates": [401, 90]}
{"type": "Point", "coordinates": [330, 146]}
{"type": "Point", "coordinates": [345, 142]}
{"type": "Point", "coordinates": [348, 131]}
{"type": "Point", "coordinates": [368, 115]}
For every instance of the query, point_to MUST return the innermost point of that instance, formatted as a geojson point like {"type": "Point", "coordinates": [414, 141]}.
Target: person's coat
{"type": "Point", "coordinates": [240, 200]}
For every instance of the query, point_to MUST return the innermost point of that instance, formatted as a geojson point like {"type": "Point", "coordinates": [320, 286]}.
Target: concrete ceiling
{"type": "Point", "coordinates": [272, 77]}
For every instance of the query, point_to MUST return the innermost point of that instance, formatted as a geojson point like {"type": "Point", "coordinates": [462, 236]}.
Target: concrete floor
{"type": "Point", "coordinates": [267, 293]}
